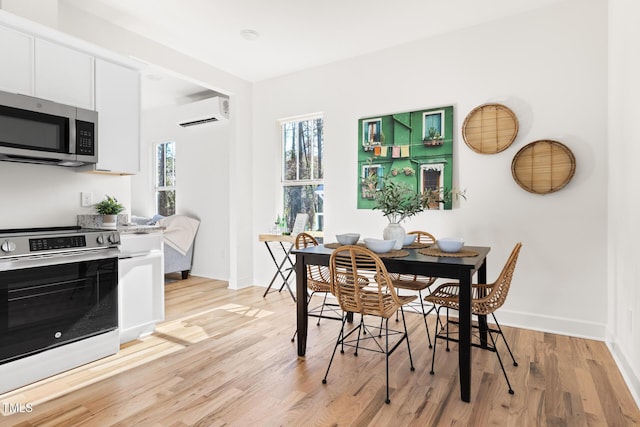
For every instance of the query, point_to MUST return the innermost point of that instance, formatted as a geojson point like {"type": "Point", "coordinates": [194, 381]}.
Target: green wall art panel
{"type": "Point", "coordinates": [415, 148]}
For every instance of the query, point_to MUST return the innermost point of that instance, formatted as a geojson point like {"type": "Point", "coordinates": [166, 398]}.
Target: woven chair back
{"type": "Point", "coordinates": [423, 237]}
{"type": "Point", "coordinates": [361, 283]}
{"type": "Point", "coordinates": [416, 281]}
{"type": "Point", "coordinates": [318, 277]}
{"type": "Point", "coordinates": [498, 294]}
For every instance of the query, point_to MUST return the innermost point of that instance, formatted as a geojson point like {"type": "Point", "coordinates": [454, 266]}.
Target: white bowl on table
{"type": "Point", "coordinates": [379, 246]}
{"type": "Point", "coordinates": [450, 244]}
{"type": "Point", "coordinates": [409, 239]}
{"type": "Point", "coordinates": [348, 238]}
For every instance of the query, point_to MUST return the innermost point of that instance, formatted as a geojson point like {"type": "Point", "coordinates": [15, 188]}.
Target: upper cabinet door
{"type": "Point", "coordinates": [64, 75]}
{"type": "Point", "coordinates": [16, 71]}
{"type": "Point", "coordinates": [118, 106]}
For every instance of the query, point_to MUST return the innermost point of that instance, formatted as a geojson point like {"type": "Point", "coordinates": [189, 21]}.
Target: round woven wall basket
{"type": "Point", "coordinates": [543, 166]}
{"type": "Point", "coordinates": [490, 128]}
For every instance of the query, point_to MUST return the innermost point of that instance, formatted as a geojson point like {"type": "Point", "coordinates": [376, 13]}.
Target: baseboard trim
{"type": "Point", "coordinates": [632, 380]}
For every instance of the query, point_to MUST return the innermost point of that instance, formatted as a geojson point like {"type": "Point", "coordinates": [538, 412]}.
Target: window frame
{"type": "Point", "coordinates": [162, 188]}
{"type": "Point", "coordinates": [284, 183]}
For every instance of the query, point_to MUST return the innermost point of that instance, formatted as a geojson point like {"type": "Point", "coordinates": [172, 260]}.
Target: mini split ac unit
{"type": "Point", "coordinates": [204, 111]}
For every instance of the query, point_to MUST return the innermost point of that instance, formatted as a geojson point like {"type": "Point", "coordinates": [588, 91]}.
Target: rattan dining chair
{"type": "Point", "coordinates": [415, 282]}
{"type": "Point", "coordinates": [318, 281]}
{"type": "Point", "coordinates": [349, 265]}
{"type": "Point", "coordinates": [486, 299]}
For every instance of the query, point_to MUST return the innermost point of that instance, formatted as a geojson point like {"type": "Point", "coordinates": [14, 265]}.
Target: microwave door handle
{"type": "Point", "coordinates": [72, 135]}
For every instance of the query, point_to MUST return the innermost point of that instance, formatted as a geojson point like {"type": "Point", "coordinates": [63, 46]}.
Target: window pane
{"type": "Point", "coordinates": [307, 199]}
{"type": "Point", "coordinates": [302, 143]}
{"type": "Point", "coordinates": [165, 163]}
{"type": "Point", "coordinates": [166, 202]}
{"type": "Point", "coordinates": [165, 179]}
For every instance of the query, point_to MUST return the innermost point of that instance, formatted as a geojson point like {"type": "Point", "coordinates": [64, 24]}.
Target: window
{"type": "Point", "coordinates": [165, 185]}
{"type": "Point", "coordinates": [433, 125]}
{"type": "Point", "coordinates": [303, 171]}
{"type": "Point", "coordinates": [432, 180]}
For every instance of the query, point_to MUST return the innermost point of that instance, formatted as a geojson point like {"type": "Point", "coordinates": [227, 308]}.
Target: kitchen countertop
{"type": "Point", "coordinates": [135, 229]}
{"type": "Point", "coordinates": [94, 222]}
{"type": "Point", "coordinates": [139, 229]}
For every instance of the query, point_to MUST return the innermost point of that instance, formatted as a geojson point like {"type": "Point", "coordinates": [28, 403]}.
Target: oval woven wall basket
{"type": "Point", "coordinates": [543, 166]}
{"type": "Point", "coordinates": [490, 128]}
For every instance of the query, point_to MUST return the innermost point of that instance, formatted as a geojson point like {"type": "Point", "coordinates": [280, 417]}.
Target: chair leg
{"type": "Point", "coordinates": [360, 328]}
{"type": "Point", "coordinates": [424, 315]}
{"type": "Point", "coordinates": [387, 400]}
{"type": "Point", "coordinates": [406, 336]}
{"type": "Point", "coordinates": [447, 326]}
{"type": "Point", "coordinates": [504, 339]}
{"type": "Point", "coordinates": [340, 339]}
{"type": "Point", "coordinates": [435, 340]}
{"type": "Point", "coordinates": [324, 301]}
{"type": "Point", "coordinates": [493, 341]}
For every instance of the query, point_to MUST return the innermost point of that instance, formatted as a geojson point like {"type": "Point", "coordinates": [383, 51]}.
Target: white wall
{"type": "Point", "coordinates": [551, 70]}
{"type": "Point", "coordinates": [623, 328]}
{"type": "Point", "coordinates": [234, 213]}
{"type": "Point", "coordinates": [202, 190]}
{"type": "Point", "coordinates": [49, 196]}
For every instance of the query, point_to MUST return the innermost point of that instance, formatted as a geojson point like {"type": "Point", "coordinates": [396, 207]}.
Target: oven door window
{"type": "Point", "coordinates": [45, 307]}
{"type": "Point", "coordinates": [34, 131]}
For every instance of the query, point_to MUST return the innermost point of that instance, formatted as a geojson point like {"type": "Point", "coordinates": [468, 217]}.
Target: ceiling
{"type": "Point", "coordinates": [293, 34]}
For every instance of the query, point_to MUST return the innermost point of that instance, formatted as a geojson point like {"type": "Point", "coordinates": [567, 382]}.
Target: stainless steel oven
{"type": "Point", "coordinates": [58, 287]}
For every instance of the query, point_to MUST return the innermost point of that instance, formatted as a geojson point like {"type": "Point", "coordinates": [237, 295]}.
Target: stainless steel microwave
{"type": "Point", "coordinates": [34, 130]}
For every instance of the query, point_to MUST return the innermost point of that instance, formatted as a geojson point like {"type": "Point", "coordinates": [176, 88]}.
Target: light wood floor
{"type": "Point", "coordinates": [225, 357]}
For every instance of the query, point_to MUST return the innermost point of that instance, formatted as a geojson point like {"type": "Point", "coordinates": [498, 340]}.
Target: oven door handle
{"type": "Point", "coordinates": [34, 261]}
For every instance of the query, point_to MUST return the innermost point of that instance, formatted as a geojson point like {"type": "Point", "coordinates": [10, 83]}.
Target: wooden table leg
{"type": "Point", "coordinates": [301, 303]}
{"type": "Point", "coordinates": [464, 345]}
{"type": "Point", "coordinates": [482, 320]}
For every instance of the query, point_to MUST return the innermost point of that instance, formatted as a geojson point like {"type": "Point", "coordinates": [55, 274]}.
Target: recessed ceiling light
{"type": "Point", "coordinates": [249, 34]}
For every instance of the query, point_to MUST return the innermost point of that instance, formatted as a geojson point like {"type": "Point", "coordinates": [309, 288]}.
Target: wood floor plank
{"type": "Point", "coordinates": [225, 358]}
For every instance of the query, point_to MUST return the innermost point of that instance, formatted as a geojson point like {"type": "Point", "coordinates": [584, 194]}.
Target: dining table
{"type": "Point", "coordinates": [460, 268]}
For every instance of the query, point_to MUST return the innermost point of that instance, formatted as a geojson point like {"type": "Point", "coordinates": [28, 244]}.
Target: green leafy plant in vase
{"type": "Point", "coordinates": [109, 208]}
{"type": "Point", "coordinates": [397, 201]}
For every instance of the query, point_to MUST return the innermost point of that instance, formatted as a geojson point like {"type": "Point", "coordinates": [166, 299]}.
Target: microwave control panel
{"type": "Point", "coordinates": [85, 138]}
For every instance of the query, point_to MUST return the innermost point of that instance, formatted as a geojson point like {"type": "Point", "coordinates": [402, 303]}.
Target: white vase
{"type": "Point", "coordinates": [394, 231]}
{"type": "Point", "coordinates": [109, 221]}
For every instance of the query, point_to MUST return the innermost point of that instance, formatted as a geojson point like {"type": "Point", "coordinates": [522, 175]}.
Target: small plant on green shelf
{"type": "Point", "coordinates": [433, 133]}
{"type": "Point", "coordinates": [408, 171]}
{"type": "Point", "coordinates": [432, 198]}
{"type": "Point", "coordinates": [109, 206]}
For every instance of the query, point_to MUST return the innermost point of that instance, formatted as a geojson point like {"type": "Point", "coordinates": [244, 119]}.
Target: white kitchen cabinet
{"type": "Point", "coordinates": [118, 106]}
{"type": "Point", "coordinates": [140, 285]}
{"type": "Point", "coordinates": [16, 51]}
{"type": "Point", "coordinates": [64, 75]}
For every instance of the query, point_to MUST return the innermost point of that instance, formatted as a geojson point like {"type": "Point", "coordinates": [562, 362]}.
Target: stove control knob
{"type": "Point", "coordinates": [114, 238]}
{"type": "Point", "coordinates": [8, 246]}
{"type": "Point", "coordinates": [100, 239]}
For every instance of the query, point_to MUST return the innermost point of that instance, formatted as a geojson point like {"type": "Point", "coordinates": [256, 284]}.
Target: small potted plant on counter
{"type": "Point", "coordinates": [109, 208]}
